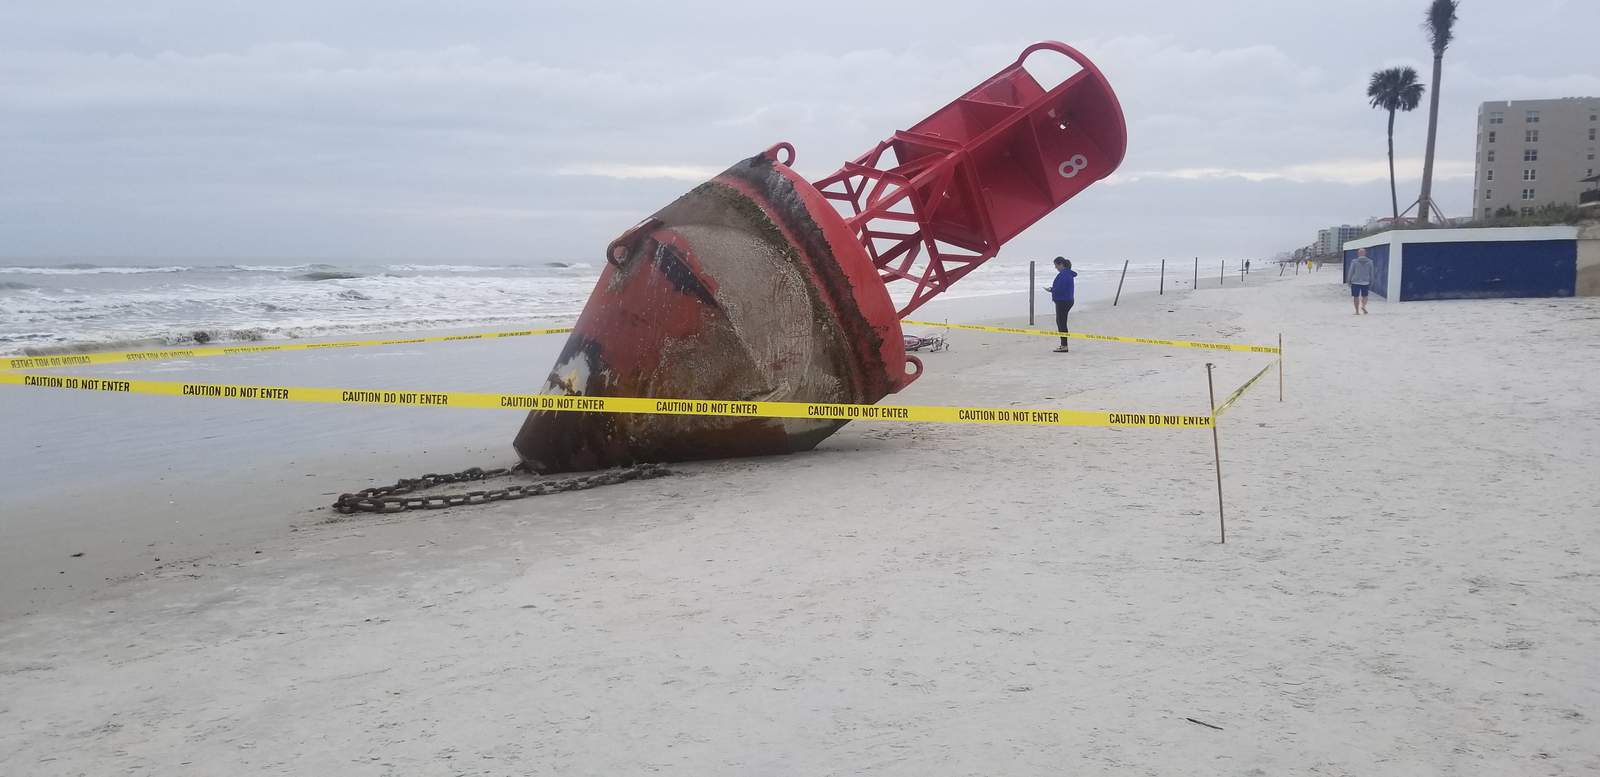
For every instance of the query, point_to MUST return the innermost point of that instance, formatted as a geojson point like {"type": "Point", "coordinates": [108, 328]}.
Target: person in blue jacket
{"type": "Point", "coordinates": [1061, 292]}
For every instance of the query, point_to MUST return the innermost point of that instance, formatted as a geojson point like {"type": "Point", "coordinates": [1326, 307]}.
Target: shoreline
{"type": "Point", "coordinates": [196, 480]}
{"type": "Point", "coordinates": [897, 597]}
{"type": "Point", "coordinates": [263, 332]}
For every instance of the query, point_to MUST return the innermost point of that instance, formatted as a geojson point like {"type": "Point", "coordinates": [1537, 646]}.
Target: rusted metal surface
{"type": "Point", "coordinates": [749, 287]}
{"type": "Point", "coordinates": [758, 285]}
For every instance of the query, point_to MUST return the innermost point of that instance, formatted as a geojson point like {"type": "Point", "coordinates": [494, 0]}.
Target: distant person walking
{"type": "Point", "coordinates": [1360, 279]}
{"type": "Point", "coordinates": [1062, 291]}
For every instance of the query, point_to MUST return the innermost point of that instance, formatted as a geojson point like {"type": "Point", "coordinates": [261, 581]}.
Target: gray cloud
{"type": "Point", "coordinates": [505, 130]}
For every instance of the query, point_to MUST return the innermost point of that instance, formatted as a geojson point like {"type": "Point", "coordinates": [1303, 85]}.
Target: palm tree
{"type": "Point", "coordinates": [1440, 24]}
{"type": "Point", "coordinates": [1394, 89]}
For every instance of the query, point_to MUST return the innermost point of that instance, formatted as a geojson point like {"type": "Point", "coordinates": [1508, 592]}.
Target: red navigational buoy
{"type": "Point", "coordinates": [758, 285]}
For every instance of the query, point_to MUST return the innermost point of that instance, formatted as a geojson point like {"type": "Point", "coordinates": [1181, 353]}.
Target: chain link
{"type": "Point", "coordinates": [393, 499]}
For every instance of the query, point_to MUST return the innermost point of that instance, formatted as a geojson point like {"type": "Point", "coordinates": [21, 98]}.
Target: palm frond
{"type": "Point", "coordinates": [1395, 89]}
{"type": "Point", "coordinates": [1440, 23]}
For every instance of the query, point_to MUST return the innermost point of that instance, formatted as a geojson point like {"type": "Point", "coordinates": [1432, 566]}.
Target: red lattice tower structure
{"type": "Point", "coordinates": [934, 202]}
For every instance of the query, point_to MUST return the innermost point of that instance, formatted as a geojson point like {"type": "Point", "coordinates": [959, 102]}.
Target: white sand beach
{"type": "Point", "coordinates": [1411, 582]}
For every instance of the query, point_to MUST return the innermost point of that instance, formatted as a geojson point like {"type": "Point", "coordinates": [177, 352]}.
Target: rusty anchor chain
{"type": "Point", "coordinates": [396, 498]}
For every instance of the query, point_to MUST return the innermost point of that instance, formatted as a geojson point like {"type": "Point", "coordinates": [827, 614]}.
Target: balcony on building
{"type": "Point", "coordinates": [1590, 197]}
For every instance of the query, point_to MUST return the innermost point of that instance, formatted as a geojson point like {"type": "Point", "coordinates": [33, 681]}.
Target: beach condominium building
{"type": "Point", "coordinates": [1532, 153]}
{"type": "Point", "coordinates": [1330, 241]}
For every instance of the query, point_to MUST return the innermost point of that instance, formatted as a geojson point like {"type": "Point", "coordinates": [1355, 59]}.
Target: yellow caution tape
{"type": "Point", "coordinates": [580, 404]}
{"type": "Point", "coordinates": [1011, 330]}
{"type": "Point", "coordinates": [122, 357]}
{"type": "Point", "coordinates": [1239, 392]}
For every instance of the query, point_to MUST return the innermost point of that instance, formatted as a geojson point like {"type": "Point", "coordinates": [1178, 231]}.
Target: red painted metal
{"type": "Point", "coordinates": [749, 287]}
{"type": "Point", "coordinates": [932, 203]}
{"type": "Point", "coordinates": [757, 285]}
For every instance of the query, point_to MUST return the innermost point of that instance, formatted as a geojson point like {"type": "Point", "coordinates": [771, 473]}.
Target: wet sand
{"type": "Point", "coordinates": [137, 484]}
{"type": "Point", "coordinates": [1408, 586]}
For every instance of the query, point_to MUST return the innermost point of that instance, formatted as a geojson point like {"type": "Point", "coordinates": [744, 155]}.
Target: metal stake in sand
{"type": "Point", "coordinates": [1196, 286]}
{"type": "Point", "coordinates": [1222, 272]}
{"type": "Point", "coordinates": [1280, 366]}
{"type": "Point", "coordinates": [1119, 283]}
{"type": "Point", "coordinates": [1163, 289]}
{"type": "Point", "coordinates": [1032, 291]}
{"type": "Point", "coordinates": [1216, 452]}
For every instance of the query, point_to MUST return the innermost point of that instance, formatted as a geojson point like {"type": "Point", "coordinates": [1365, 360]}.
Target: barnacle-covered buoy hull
{"type": "Point", "coordinates": [749, 287]}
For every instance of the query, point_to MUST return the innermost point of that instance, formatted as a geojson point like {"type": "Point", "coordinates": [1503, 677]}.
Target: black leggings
{"type": "Point", "coordinates": [1062, 308]}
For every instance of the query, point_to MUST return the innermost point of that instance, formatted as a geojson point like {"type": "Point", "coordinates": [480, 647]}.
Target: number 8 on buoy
{"type": "Point", "coordinates": [1073, 166]}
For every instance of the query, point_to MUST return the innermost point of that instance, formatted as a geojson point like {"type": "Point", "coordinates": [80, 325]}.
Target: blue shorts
{"type": "Point", "coordinates": [1358, 289]}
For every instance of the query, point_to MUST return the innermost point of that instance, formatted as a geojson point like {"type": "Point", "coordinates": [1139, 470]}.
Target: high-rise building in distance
{"type": "Point", "coordinates": [1330, 241]}
{"type": "Point", "coordinates": [1534, 152]}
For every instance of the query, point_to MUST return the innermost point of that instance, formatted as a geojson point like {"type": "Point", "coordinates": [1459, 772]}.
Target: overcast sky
{"type": "Point", "coordinates": [513, 129]}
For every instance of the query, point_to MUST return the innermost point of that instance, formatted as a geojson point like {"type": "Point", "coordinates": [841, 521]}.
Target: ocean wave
{"type": "Point", "coordinates": [156, 310]}
{"type": "Point", "coordinates": [450, 267]}
{"type": "Point", "coordinates": [279, 268]}
{"type": "Point", "coordinates": [218, 336]}
{"type": "Point", "coordinates": [90, 269]}
{"type": "Point", "coordinates": [310, 268]}
{"type": "Point", "coordinates": [190, 337]}
{"type": "Point", "coordinates": [481, 268]}
{"type": "Point", "coordinates": [14, 286]}
{"type": "Point", "coordinates": [325, 275]}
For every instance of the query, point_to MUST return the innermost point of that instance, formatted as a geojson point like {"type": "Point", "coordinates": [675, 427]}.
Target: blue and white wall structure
{"type": "Point", "coordinates": [1427, 264]}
